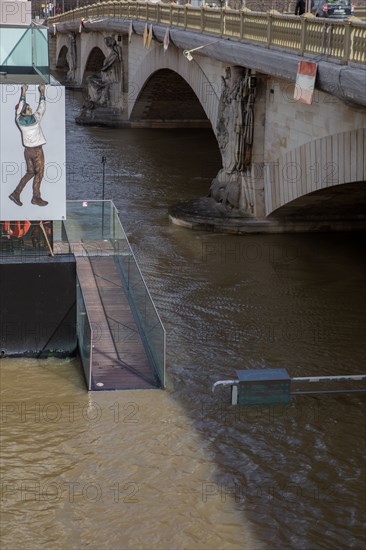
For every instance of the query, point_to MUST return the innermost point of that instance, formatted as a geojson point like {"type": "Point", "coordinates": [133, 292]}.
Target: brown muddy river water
{"type": "Point", "coordinates": [181, 468]}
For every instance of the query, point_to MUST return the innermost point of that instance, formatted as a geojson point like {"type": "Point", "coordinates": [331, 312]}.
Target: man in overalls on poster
{"type": "Point", "coordinates": [29, 124]}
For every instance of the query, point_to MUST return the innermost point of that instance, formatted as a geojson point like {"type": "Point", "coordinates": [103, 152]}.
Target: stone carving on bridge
{"type": "Point", "coordinates": [233, 187]}
{"type": "Point", "coordinates": [103, 91]}
{"type": "Point", "coordinates": [71, 59]}
{"type": "Point", "coordinates": [101, 88]}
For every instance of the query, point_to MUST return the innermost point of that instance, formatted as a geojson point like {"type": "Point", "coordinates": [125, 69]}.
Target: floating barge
{"type": "Point", "coordinates": [83, 288]}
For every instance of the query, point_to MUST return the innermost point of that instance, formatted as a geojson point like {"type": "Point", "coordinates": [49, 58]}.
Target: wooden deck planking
{"type": "Point", "coordinates": [118, 337]}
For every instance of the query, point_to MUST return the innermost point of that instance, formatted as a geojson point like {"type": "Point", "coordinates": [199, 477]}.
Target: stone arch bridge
{"type": "Point", "coordinates": [301, 161]}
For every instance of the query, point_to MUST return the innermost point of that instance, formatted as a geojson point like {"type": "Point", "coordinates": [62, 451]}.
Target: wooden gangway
{"type": "Point", "coordinates": [118, 357]}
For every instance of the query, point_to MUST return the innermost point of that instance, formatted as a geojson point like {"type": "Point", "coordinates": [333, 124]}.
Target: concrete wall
{"type": "Point", "coordinates": [290, 124]}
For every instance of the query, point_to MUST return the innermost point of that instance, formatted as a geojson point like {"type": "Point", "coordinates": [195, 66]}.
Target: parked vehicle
{"type": "Point", "coordinates": [337, 9]}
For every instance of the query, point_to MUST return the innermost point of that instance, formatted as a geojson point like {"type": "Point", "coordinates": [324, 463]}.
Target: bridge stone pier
{"type": "Point", "coordinates": [286, 165]}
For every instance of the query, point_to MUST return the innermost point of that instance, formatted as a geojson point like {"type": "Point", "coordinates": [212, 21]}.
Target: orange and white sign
{"type": "Point", "coordinates": [305, 82]}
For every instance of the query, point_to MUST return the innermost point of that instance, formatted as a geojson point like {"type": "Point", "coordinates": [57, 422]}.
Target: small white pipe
{"type": "Point", "coordinates": [224, 383]}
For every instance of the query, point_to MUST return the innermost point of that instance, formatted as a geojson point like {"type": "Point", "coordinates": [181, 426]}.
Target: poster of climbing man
{"type": "Point", "coordinates": [32, 153]}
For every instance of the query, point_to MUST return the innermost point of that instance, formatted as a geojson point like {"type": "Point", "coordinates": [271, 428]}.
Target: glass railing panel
{"type": "Point", "coordinates": [40, 52]}
{"type": "Point", "coordinates": [25, 51]}
{"type": "Point", "coordinates": [89, 221]}
{"type": "Point", "coordinates": [61, 244]}
{"type": "Point", "coordinates": [16, 47]}
{"type": "Point", "coordinates": [97, 226]}
{"type": "Point", "coordinates": [155, 336]}
{"type": "Point", "coordinates": [145, 312]}
{"type": "Point", "coordinates": [84, 334]}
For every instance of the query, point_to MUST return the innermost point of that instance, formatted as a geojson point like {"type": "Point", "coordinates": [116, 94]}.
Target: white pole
{"type": "Point", "coordinates": [319, 378]}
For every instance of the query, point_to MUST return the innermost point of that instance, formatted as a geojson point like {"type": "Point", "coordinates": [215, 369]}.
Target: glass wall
{"type": "Point", "coordinates": [24, 51]}
{"type": "Point", "coordinates": [84, 334]}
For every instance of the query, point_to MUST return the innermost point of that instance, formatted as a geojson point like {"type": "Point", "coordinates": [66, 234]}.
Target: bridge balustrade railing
{"type": "Point", "coordinates": [337, 43]}
{"type": "Point", "coordinates": [357, 43]}
{"type": "Point", "coordinates": [177, 17]}
{"type": "Point", "coordinates": [255, 27]}
{"type": "Point", "coordinates": [152, 12]}
{"type": "Point", "coordinates": [212, 21]}
{"type": "Point", "coordinates": [286, 32]}
{"type": "Point", "coordinates": [314, 41]}
{"type": "Point", "coordinates": [232, 24]}
{"type": "Point", "coordinates": [193, 19]}
{"type": "Point", "coordinates": [164, 14]}
{"type": "Point", "coordinates": [344, 41]}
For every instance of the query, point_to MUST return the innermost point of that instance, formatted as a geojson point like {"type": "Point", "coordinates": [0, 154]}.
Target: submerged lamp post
{"type": "Point", "coordinates": [104, 160]}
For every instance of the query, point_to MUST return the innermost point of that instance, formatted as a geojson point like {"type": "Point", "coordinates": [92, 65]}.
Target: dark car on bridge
{"type": "Point", "coordinates": [339, 9]}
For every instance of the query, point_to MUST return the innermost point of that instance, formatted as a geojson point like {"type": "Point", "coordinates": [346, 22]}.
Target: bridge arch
{"type": "Point", "coordinates": [94, 63]}
{"type": "Point", "coordinates": [62, 48]}
{"type": "Point", "coordinates": [166, 96]}
{"type": "Point", "coordinates": [172, 62]}
{"type": "Point", "coordinates": [323, 163]}
{"type": "Point", "coordinates": [93, 51]}
{"type": "Point", "coordinates": [62, 62]}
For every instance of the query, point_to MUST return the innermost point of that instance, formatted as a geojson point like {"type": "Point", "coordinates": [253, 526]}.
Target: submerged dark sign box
{"type": "Point", "coordinates": [32, 156]}
{"type": "Point", "coordinates": [263, 387]}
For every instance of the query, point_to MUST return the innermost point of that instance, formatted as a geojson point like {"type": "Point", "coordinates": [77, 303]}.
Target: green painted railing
{"type": "Point", "coordinates": [341, 40]}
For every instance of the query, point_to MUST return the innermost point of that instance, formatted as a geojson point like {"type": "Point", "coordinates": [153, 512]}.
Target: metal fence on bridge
{"type": "Point", "coordinates": [344, 41]}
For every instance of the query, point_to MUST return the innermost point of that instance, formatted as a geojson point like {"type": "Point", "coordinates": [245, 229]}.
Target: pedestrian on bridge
{"type": "Point", "coordinates": [300, 7]}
